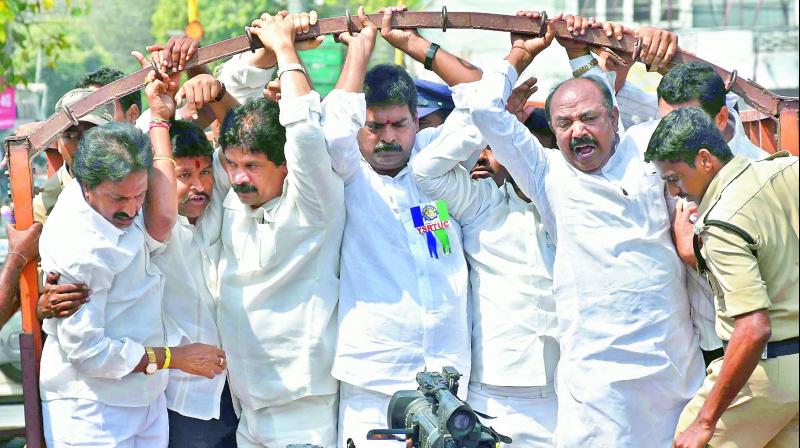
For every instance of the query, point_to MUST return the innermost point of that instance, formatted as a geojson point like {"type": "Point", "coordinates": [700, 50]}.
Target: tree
{"type": "Point", "coordinates": [28, 27]}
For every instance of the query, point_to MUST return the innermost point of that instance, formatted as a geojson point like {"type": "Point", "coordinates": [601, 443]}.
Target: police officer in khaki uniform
{"type": "Point", "coordinates": [747, 243]}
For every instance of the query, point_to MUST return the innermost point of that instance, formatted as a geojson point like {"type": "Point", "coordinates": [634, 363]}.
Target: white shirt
{"type": "Point", "coordinates": [190, 315]}
{"type": "Point", "coordinates": [701, 298]}
{"type": "Point", "coordinates": [635, 105]}
{"type": "Point", "coordinates": [629, 358]}
{"type": "Point", "coordinates": [400, 309]}
{"type": "Point", "coordinates": [510, 257]}
{"type": "Point", "coordinates": [91, 354]}
{"type": "Point", "coordinates": [279, 273]}
{"type": "Point", "coordinates": [242, 80]}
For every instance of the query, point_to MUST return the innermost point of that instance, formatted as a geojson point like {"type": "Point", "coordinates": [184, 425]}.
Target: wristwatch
{"type": "Point", "coordinates": [151, 361]}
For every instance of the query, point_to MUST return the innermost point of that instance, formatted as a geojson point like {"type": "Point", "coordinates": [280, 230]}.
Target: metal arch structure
{"type": "Point", "coordinates": [773, 114]}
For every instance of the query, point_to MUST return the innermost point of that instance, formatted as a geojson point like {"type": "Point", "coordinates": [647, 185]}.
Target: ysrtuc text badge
{"type": "Point", "coordinates": [432, 220]}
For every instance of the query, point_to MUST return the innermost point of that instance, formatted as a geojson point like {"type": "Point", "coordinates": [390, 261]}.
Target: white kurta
{"type": "Point", "coordinates": [190, 315]}
{"type": "Point", "coordinates": [279, 273]}
{"type": "Point", "coordinates": [629, 358]}
{"type": "Point", "coordinates": [91, 354]}
{"type": "Point", "coordinates": [401, 310]}
{"type": "Point", "coordinates": [510, 257]}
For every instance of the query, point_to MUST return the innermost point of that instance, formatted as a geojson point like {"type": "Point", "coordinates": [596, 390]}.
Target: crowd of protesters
{"type": "Point", "coordinates": [245, 263]}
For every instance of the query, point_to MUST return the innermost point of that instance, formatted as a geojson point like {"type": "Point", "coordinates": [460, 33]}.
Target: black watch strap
{"type": "Point", "coordinates": [429, 55]}
{"type": "Point", "coordinates": [222, 90]}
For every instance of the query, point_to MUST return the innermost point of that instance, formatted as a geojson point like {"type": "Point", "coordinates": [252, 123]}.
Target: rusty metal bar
{"type": "Point", "coordinates": [18, 152]}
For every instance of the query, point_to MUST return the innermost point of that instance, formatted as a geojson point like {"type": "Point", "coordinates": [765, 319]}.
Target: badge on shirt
{"type": "Point", "coordinates": [432, 220]}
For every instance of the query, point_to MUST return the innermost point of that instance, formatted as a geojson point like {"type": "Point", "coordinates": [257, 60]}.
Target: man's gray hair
{"type": "Point", "coordinates": [111, 152]}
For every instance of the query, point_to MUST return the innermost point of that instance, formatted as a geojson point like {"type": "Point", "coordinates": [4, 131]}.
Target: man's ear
{"type": "Point", "coordinates": [721, 120]}
{"type": "Point", "coordinates": [615, 118]}
{"type": "Point", "coordinates": [704, 160]}
{"type": "Point", "coordinates": [132, 114]}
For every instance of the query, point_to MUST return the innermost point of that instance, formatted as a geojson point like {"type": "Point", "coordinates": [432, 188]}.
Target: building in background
{"type": "Point", "coordinates": [759, 38]}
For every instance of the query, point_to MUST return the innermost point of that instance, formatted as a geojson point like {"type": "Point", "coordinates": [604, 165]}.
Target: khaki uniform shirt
{"type": "Point", "coordinates": [44, 202]}
{"type": "Point", "coordinates": [761, 198]}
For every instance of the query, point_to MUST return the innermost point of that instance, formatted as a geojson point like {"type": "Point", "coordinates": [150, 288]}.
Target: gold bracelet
{"type": "Point", "coordinates": [167, 357]}
{"type": "Point", "coordinates": [585, 68]}
{"type": "Point", "coordinates": [170, 159]}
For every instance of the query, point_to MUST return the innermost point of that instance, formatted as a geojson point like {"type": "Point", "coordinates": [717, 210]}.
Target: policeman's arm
{"type": "Point", "coordinates": [751, 332]}
{"type": "Point", "coordinates": [735, 269]}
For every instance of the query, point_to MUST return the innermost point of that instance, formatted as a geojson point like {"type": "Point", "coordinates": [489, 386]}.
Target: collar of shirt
{"type": "Point", "coordinates": [73, 198]}
{"type": "Point", "coordinates": [725, 176]}
{"type": "Point", "coordinates": [264, 213]}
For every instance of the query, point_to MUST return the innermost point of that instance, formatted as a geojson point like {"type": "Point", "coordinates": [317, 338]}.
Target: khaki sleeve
{"type": "Point", "coordinates": [736, 270]}
{"type": "Point", "coordinates": [39, 210]}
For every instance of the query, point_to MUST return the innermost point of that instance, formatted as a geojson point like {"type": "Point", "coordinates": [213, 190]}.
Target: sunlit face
{"type": "Point", "coordinates": [488, 166]}
{"type": "Point", "coordinates": [119, 202]}
{"type": "Point", "coordinates": [69, 139]}
{"type": "Point", "coordinates": [686, 181]}
{"type": "Point", "coordinates": [195, 182]}
{"type": "Point", "coordinates": [254, 178]}
{"type": "Point", "coordinates": [585, 131]}
{"type": "Point", "coordinates": [388, 138]}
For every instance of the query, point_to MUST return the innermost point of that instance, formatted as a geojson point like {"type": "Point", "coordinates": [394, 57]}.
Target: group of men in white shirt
{"type": "Point", "coordinates": [555, 289]}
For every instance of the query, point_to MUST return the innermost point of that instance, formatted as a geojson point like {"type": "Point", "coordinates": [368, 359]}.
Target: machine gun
{"type": "Point", "coordinates": [434, 417]}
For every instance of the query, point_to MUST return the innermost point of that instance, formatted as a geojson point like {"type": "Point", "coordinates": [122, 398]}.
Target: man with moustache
{"type": "Point", "coordinates": [624, 324]}
{"type": "Point", "coordinates": [747, 246]}
{"type": "Point", "coordinates": [200, 409]}
{"type": "Point", "coordinates": [403, 294]}
{"type": "Point", "coordinates": [100, 381]}
{"type": "Point", "coordinates": [278, 272]}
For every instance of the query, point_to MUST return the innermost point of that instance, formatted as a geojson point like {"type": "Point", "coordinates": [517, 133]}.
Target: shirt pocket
{"type": "Point", "coordinates": [267, 243]}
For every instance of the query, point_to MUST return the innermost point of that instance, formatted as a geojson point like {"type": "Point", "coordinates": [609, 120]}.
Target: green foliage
{"type": "Point", "coordinates": [26, 27]}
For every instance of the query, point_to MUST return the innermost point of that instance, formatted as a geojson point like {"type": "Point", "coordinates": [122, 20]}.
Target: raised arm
{"type": "Point", "coordinates": [438, 170]}
{"type": "Point", "coordinates": [23, 248]}
{"type": "Point", "coordinates": [344, 109]}
{"type": "Point", "coordinates": [452, 69]}
{"type": "Point", "coordinates": [512, 144]}
{"type": "Point", "coordinates": [160, 215]}
{"type": "Point", "coordinates": [312, 182]}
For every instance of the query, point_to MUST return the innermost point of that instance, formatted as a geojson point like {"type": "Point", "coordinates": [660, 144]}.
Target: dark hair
{"type": "Point", "coordinates": [106, 75]}
{"type": "Point", "coordinates": [254, 126]}
{"type": "Point", "coordinates": [682, 134]}
{"type": "Point", "coordinates": [686, 82]}
{"type": "Point", "coordinates": [608, 97]}
{"type": "Point", "coordinates": [111, 152]}
{"type": "Point", "coordinates": [188, 140]}
{"type": "Point", "coordinates": [390, 85]}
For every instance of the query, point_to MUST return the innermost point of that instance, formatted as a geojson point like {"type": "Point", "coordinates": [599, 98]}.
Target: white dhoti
{"type": "Point", "coordinates": [75, 422]}
{"type": "Point", "coordinates": [526, 414]}
{"type": "Point", "coordinates": [308, 420]}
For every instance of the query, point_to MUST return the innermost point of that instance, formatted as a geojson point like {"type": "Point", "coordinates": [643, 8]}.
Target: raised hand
{"type": "Point", "coordinates": [277, 32]}
{"type": "Point", "coordinates": [364, 38]}
{"type": "Point", "coordinates": [577, 26]}
{"type": "Point", "coordinates": [174, 55]}
{"type": "Point", "coordinates": [519, 97]}
{"type": "Point", "coordinates": [658, 47]}
{"type": "Point", "coordinates": [533, 45]}
{"type": "Point", "coordinates": [160, 95]}
{"type": "Point", "coordinates": [396, 37]}
{"type": "Point", "coordinates": [197, 92]}
{"type": "Point", "coordinates": [273, 91]}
